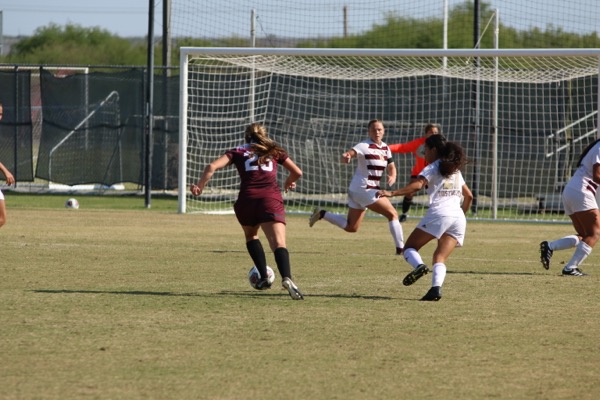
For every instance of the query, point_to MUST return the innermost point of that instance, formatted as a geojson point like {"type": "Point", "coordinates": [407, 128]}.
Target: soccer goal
{"type": "Point", "coordinates": [523, 116]}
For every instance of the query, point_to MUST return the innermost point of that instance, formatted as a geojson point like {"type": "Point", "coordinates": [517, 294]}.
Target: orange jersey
{"type": "Point", "coordinates": [411, 147]}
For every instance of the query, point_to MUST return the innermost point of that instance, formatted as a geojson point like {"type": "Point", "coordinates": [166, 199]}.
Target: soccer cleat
{"type": "Point", "coordinates": [291, 287]}
{"type": "Point", "coordinates": [399, 251]}
{"type": "Point", "coordinates": [415, 275]}
{"type": "Point", "coordinates": [573, 272]}
{"type": "Point", "coordinates": [545, 254]}
{"type": "Point", "coordinates": [263, 284]}
{"type": "Point", "coordinates": [433, 294]}
{"type": "Point", "coordinates": [402, 217]}
{"type": "Point", "coordinates": [315, 216]}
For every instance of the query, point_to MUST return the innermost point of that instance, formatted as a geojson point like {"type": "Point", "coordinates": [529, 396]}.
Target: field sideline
{"type": "Point", "coordinates": [106, 303]}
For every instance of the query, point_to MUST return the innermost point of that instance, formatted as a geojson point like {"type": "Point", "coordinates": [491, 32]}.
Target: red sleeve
{"type": "Point", "coordinates": [408, 147]}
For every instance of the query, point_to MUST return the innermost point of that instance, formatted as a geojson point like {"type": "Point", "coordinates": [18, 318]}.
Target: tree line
{"type": "Point", "coordinates": [75, 45]}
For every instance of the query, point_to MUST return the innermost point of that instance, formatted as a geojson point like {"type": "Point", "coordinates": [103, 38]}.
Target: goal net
{"type": "Point", "coordinates": [523, 117]}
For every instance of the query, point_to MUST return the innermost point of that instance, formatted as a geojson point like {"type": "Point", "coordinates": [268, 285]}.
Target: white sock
{"type": "Point", "coordinates": [397, 234]}
{"type": "Point", "coordinates": [564, 243]}
{"type": "Point", "coordinates": [581, 253]}
{"type": "Point", "coordinates": [439, 274]}
{"type": "Point", "coordinates": [335, 219]}
{"type": "Point", "coordinates": [412, 257]}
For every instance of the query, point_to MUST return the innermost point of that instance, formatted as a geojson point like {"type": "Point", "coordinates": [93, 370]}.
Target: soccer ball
{"type": "Point", "coordinates": [72, 203]}
{"type": "Point", "coordinates": [254, 276]}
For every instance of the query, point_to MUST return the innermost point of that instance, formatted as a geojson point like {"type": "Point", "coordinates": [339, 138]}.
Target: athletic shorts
{"type": "Point", "coordinates": [251, 212]}
{"type": "Point", "coordinates": [360, 199]}
{"type": "Point", "coordinates": [578, 200]}
{"type": "Point", "coordinates": [437, 226]}
{"type": "Point", "coordinates": [1, 195]}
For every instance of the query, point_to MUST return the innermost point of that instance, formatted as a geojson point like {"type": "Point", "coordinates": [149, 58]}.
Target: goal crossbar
{"type": "Point", "coordinates": [490, 100]}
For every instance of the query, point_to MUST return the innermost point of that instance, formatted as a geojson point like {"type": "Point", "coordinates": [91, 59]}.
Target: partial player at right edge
{"type": "Point", "coordinates": [579, 202]}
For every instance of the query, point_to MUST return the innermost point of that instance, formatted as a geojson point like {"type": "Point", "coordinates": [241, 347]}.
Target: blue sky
{"type": "Point", "coordinates": [130, 17]}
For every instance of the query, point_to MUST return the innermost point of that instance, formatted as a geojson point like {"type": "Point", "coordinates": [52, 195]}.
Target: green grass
{"type": "Point", "coordinates": [114, 301]}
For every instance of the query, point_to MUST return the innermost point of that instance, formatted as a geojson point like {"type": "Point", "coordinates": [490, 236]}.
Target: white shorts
{"type": "Point", "coordinates": [362, 198]}
{"type": "Point", "coordinates": [437, 225]}
{"type": "Point", "coordinates": [1, 195]}
{"type": "Point", "coordinates": [578, 200]}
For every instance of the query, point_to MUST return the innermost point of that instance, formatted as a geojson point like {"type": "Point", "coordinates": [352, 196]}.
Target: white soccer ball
{"type": "Point", "coordinates": [72, 203]}
{"type": "Point", "coordinates": [254, 276]}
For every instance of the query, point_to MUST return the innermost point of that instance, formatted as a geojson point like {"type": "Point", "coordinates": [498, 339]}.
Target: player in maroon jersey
{"type": "Point", "coordinates": [260, 202]}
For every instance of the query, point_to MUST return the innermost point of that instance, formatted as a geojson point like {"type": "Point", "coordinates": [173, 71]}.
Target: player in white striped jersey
{"type": "Point", "coordinates": [579, 202]}
{"type": "Point", "coordinates": [374, 157]}
{"type": "Point", "coordinates": [449, 201]}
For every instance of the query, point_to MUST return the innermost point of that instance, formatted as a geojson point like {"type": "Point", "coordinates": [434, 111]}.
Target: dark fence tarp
{"type": "Point", "coordinates": [16, 127]}
{"type": "Point", "coordinates": [165, 154]}
{"type": "Point", "coordinates": [93, 128]}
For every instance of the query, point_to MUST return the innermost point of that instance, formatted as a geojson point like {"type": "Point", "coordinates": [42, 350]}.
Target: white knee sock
{"type": "Point", "coordinates": [439, 274]}
{"type": "Point", "coordinates": [336, 219]}
{"type": "Point", "coordinates": [397, 234]}
{"type": "Point", "coordinates": [581, 253]}
{"type": "Point", "coordinates": [564, 243]}
{"type": "Point", "coordinates": [412, 257]}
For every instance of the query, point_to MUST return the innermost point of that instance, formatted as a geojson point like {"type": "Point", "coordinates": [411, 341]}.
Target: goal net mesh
{"type": "Point", "coordinates": [523, 121]}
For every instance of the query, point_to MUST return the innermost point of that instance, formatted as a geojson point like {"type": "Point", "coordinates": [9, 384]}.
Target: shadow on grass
{"type": "Point", "coordinates": [492, 273]}
{"type": "Point", "coordinates": [221, 293]}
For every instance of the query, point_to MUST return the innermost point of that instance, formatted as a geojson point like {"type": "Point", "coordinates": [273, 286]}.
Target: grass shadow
{"type": "Point", "coordinates": [221, 293]}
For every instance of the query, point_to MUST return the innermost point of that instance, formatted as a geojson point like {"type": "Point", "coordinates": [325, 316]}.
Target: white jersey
{"type": "Point", "coordinates": [373, 159]}
{"type": "Point", "coordinates": [445, 194]}
{"type": "Point", "coordinates": [582, 179]}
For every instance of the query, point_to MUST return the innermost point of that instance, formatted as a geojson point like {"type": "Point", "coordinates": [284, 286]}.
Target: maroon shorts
{"type": "Point", "coordinates": [251, 212]}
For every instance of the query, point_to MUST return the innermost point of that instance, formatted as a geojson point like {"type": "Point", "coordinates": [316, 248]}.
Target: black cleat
{"type": "Point", "coordinates": [402, 217]}
{"type": "Point", "coordinates": [399, 251]}
{"type": "Point", "coordinates": [434, 294]}
{"type": "Point", "coordinates": [415, 275]}
{"type": "Point", "coordinates": [573, 272]}
{"type": "Point", "coordinates": [545, 254]}
{"type": "Point", "coordinates": [263, 284]}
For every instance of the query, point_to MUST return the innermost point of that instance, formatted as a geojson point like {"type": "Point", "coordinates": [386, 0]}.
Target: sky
{"type": "Point", "coordinates": [126, 18]}
{"type": "Point", "coordinates": [129, 18]}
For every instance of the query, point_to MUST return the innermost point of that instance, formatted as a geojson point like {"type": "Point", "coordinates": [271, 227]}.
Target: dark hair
{"type": "Point", "coordinates": [371, 122]}
{"type": "Point", "coordinates": [263, 146]}
{"type": "Point", "coordinates": [587, 150]}
{"type": "Point", "coordinates": [451, 155]}
{"type": "Point", "coordinates": [430, 126]}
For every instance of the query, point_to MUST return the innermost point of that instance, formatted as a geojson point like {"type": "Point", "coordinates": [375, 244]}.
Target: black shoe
{"type": "Point", "coordinates": [402, 218]}
{"type": "Point", "coordinates": [573, 272]}
{"type": "Point", "coordinates": [399, 251]}
{"type": "Point", "coordinates": [415, 274]}
{"type": "Point", "coordinates": [263, 284]}
{"type": "Point", "coordinates": [434, 294]}
{"type": "Point", "coordinates": [545, 254]}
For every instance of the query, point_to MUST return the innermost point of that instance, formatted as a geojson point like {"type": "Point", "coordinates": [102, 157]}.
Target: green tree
{"type": "Point", "coordinates": [75, 45]}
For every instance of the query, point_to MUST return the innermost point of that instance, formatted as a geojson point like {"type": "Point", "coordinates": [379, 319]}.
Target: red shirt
{"type": "Point", "coordinates": [412, 147]}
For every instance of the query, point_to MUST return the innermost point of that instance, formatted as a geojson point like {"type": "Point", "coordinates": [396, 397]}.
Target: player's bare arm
{"type": "Point", "coordinates": [347, 156]}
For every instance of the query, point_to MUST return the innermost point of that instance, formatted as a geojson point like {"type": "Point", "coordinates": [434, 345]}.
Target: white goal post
{"type": "Point", "coordinates": [522, 115]}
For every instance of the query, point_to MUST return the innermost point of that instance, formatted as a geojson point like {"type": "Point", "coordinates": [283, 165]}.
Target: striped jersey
{"type": "Point", "coordinates": [373, 159]}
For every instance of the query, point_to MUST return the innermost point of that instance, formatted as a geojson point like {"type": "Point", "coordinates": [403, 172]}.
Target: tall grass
{"type": "Point", "coordinates": [108, 303]}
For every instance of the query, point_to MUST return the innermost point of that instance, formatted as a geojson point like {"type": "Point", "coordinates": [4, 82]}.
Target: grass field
{"type": "Point", "coordinates": [113, 301]}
